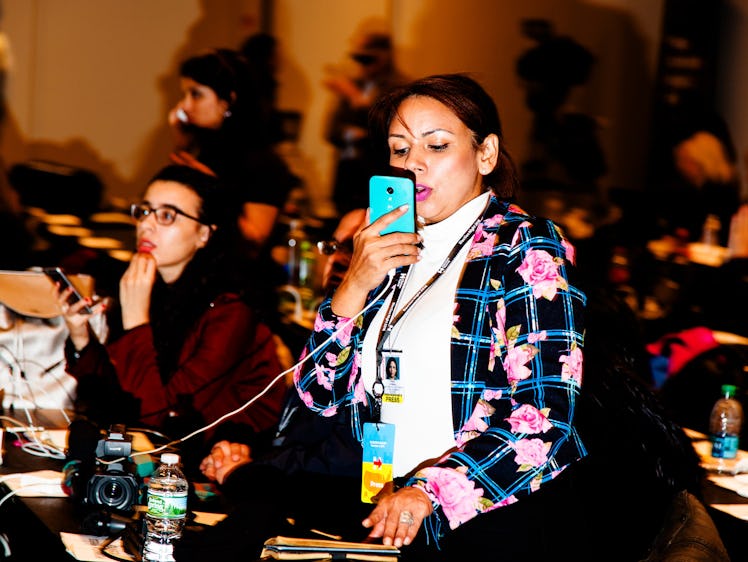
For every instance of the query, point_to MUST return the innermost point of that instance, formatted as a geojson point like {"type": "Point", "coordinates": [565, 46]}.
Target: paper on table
{"type": "Point", "coordinates": [739, 510]}
{"type": "Point", "coordinates": [207, 518]}
{"type": "Point", "coordinates": [737, 483]}
{"type": "Point", "coordinates": [86, 547]}
{"type": "Point", "coordinates": [39, 483]}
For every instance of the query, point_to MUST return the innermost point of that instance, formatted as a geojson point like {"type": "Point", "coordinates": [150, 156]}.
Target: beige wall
{"type": "Point", "coordinates": [733, 87]}
{"type": "Point", "coordinates": [94, 78]}
{"type": "Point", "coordinates": [482, 37]}
{"type": "Point", "coordinates": [314, 36]}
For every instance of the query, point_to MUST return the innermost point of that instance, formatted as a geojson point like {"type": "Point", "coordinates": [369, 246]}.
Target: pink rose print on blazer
{"type": "Point", "coordinates": [528, 419]}
{"type": "Point", "coordinates": [459, 498]}
{"type": "Point", "coordinates": [540, 270]}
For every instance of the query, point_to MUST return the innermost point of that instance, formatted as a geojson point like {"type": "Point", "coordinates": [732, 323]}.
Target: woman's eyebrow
{"type": "Point", "coordinates": [434, 131]}
{"type": "Point", "coordinates": [424, 134]}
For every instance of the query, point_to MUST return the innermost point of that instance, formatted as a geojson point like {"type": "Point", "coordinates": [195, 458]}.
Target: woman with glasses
{"type": "Point", "coordinates": [192, 347]}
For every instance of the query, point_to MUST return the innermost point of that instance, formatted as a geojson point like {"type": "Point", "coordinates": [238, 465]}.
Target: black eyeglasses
{"type": "Point", "coordinates": [329, 247]}
{"type": "Point", "coordinates": [165, 214]}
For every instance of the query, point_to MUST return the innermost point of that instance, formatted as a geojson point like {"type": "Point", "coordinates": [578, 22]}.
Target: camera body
{"type": "Point", "coordinates": [114, 483]}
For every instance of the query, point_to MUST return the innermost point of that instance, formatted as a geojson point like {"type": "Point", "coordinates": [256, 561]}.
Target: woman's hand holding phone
{"type": "Point", "coordinates": [76, 311]}
{"type": "Point", "coordinates": [373, 256]}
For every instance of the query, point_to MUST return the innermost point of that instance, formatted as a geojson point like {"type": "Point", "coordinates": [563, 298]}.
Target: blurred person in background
{"type": "Point", "coordinates": [220, 127]}
{"type": "Point", "coordinates": [261, 53]}
{"type": "Point", "coordinates": [704, 181]}
{"type": "Point", "coordinates": [376, 74]}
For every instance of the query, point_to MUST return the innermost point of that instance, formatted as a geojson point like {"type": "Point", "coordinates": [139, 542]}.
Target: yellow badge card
{"type": "Point", "coordinates": [376, 469]}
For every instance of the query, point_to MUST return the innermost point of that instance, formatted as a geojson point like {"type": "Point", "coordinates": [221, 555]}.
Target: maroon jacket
{"type": "Point", "coordinates": [226, 360]}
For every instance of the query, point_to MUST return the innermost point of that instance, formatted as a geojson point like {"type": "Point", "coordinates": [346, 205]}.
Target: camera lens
{"type": "Point", "coordinates": [390, 190]}
{"type": "Point", "coordinates": [115, 491]}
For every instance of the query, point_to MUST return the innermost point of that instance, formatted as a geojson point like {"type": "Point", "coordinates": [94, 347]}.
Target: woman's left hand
{"type": "Point", "coordinates": [135, 290]}
{"type": "Point", "coordinates": [397, 517]}
{"type": "Point", "coordinates": [223, 458]}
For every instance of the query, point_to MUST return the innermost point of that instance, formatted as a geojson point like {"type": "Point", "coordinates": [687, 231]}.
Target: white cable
{"type": "Point", "coordinates": [38, 448]}
{"type": "Point", "coordinates": [6, 545]}
{"type": "Point", "coordinates": [19, 363]}
{"type": "Point", "coordinates": [15, 492]}
{"type": "Point", "coordinates": [259, 395]}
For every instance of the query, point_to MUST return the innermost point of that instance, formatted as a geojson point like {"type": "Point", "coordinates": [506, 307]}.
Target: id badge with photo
{"type": "Point", "coordinates": [376, 468]}
{"type": "Point", "coordinates": [391, 378]}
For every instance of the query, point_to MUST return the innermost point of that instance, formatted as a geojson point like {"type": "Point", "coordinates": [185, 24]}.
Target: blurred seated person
{"type": "Point", "coordinates": [726, 308]}
{"type": "Point", "coordinates": [192, 349]}
{"type": "Point", "coordinates": [339, 248]}
{"type": "Point", "coordinates": [219, 127]}
{"type": "Point", "coordinates": [706, 182]}
{"type": "Point", "coordinates": [16, 255]}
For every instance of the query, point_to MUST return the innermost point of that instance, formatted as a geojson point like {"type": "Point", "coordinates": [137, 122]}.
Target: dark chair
{"type": "Point", "coordinates": [57, 188]}
{"type": "Point", "coordinates": [688, 535]}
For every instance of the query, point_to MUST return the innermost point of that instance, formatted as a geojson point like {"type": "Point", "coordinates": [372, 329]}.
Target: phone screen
{"type": "Point", "coordinates": [58, 276]}
{"type": "Point", "coordinates": [387, 193]}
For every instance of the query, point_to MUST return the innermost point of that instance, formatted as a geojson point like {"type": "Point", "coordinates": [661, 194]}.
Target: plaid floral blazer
{"type": "Point", "coordinates": [516, 368]}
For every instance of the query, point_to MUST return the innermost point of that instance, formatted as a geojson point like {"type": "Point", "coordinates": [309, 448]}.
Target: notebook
{"type": "Point", "coordinates": [29, 293]}
{"type": "Point", "coordinates": [285, 548]}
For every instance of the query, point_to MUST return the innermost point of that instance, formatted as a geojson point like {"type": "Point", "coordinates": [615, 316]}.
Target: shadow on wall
{"type": "Point", "coordinates": [618, 93]}
{"type": "Point", "coordinates": [209, 31]}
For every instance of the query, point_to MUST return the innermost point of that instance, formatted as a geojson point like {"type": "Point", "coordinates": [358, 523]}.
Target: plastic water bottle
{"type": "Point", "coordinates": [724, 425]}
{"type": "Point", "coordinates": [167, 509]}
{"type": "Point", "coordinates": [295, 240]}
{"type": "Point", "coordinates": [710, 231]}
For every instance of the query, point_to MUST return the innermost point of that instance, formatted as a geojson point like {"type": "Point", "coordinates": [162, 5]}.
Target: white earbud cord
{"type": "Point", "coordinates": [264, 391]}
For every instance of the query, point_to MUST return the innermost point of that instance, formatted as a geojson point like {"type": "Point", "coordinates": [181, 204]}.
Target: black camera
{"type": "Point", "coordinates": [114, 483]}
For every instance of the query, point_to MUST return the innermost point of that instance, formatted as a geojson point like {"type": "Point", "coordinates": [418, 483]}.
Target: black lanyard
{"type": "Point", "coordinates": [389, 323]}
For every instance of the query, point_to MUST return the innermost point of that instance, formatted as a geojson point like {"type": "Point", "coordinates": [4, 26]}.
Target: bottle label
{"type": "Point", "coordinates": [725, 446]}
{"type": "Point", "coordinates": [167, 506]}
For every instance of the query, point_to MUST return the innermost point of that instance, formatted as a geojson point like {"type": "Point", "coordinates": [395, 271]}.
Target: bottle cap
{"type": "Point", "coordinates": [169, 458]}
{"type": "Point", "coordinates": [729, 390]}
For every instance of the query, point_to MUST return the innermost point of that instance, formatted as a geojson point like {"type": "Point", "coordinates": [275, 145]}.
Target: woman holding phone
{"type": "Point", "coordinates": [192, 348]}
{"type": "Point", "coordinates": [481, 309]}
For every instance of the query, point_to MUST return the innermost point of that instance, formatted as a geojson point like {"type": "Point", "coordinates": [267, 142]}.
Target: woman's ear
{"type": "Point", "coordinates": [204, 235]}
{"type": "Point", "coordinates": [488, 154]}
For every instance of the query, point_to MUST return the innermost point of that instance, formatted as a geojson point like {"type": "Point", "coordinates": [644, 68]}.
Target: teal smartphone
{"type": "Point", "coordinates": [387, 193]}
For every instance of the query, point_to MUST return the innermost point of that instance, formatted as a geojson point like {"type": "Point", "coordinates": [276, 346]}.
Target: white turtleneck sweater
{"type": "Point", "coordinates": [423, 417]}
